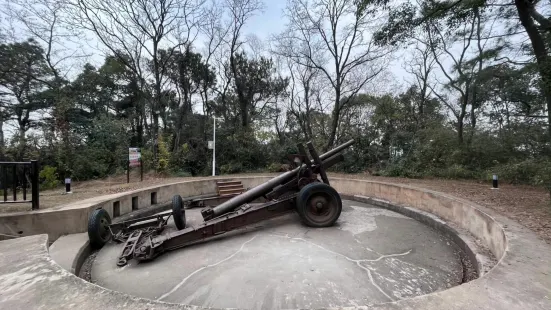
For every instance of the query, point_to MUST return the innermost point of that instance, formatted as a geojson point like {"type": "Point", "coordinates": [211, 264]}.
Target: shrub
{"type": "Point", "coordinates": [163, 156]}
{"type": "Point", "coordinates": [48, 177]}
{"type": "Point", "coordinates": [277, 167]}
{"type": "Point", "coordinates": [528, 172]}
{"type": "Point", "coordinates": [233, 167]}
{"type": "Point", "coordinates": [181, 174]}
{"type": "Point", "coordinates": [400, 169]}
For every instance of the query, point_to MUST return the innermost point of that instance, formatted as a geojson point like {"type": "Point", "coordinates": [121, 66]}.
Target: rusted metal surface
{"type": "Point", "coordinates": [246, 215]}
{"type": "Point", "coordinates": [264, 189]}
{"type": "Point", "coordinates": [210, 201]}
{"type": "Point", "coordinates": [143, 238]}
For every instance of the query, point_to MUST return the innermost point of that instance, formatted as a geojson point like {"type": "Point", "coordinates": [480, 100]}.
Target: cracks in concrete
{"type": "Point", "coordinates": [365, 246]}
{"type": "Point", "coordinates": [175, 288]}
{"type": "Point", "coordinates": [357, 261]}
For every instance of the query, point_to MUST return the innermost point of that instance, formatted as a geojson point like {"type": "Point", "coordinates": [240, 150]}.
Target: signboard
{"type": "Point", "coordinates": [134, 156]}
{"type": "Point", "coordinates": [211, 145]}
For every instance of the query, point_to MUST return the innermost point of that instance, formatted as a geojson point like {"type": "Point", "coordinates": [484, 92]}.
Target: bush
{"type": "Point", "coordinates": [233, 167]}
{"type": "Point", "coordinates": [163, 156]}
{"type": "Point", "coordinates": [400, 169]}
{"type": "Point", "coordinates": [530, 171]}
{"type": "Point", "coordinates": [277, 167]}
{"type": "Point", "coordinates": [181, 174]}
{"type": "Point", "coordinates": [48, 177]}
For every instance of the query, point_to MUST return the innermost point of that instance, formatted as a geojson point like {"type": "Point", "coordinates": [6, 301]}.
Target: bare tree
{"type": "Point", "coordinates": [46, 22]}
{"type": "Point", "coordinates": [215, 32]}
{"type": "Point", "coordinates": [135, 29]}
{"type": "Point", "coordinates": [240, 11]}
{"type": "Point", "coordinates": [420, 66]}
{"type": "Point", "coordinates": [461, 79]}
{"type": "Point", "coordinates": [334, 37]}
{"type": "Point", "coordinates": [303, 87]}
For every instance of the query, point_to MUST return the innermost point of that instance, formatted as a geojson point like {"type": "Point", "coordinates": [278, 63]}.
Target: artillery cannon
{"type": "Point", "coordinates": [316, 202]}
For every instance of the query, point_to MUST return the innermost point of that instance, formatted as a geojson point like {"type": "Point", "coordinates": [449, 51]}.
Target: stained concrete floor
{"type": "Point", "coordinates": [370, 256]}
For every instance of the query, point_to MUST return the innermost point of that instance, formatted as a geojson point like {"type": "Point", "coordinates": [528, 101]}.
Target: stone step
{"type": "Point", "coordinates": [224, 183]}
{"type": "Point", "coordinates": [231, 186]}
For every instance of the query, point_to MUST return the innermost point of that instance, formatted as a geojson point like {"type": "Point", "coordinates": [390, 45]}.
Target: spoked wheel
{"type": "Point", "coordinates": [178, 212]}
{"type": "Point", "coordinates": [98, 228]}
{"type": "Point", "coordinates": [319, 205]}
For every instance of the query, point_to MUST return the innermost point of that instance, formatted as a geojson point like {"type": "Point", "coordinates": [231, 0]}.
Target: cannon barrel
{"type": "Point", "coordinates": [265, 188]}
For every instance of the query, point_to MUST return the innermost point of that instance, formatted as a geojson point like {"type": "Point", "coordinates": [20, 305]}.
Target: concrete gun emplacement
{"type": "Point", "coordinates": [305, 189]}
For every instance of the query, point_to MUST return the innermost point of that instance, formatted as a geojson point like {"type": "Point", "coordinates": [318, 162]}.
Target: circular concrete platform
{"type": "Point", "coordinates": [370, 256]}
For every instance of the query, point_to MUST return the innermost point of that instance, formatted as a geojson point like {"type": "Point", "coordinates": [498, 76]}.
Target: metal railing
{"type": "Point", "coordinates": [11, 172]}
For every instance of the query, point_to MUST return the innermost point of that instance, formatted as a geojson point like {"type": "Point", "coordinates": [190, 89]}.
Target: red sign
{"type": "Point", "coordinates": [134, 156]}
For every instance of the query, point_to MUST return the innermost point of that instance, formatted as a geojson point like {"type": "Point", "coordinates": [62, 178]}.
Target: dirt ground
{"type": "Point", "coordinates": [528, 205]}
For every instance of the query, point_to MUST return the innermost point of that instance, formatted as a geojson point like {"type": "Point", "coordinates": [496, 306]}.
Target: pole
{"type": "Point", "coordinates": [494, 182]}
{"type": "Point", "coordinates": [128, 171]}
{"type": "Point", "coordinates": [24, 182]}
{"type": "Point", "coordinates": [5, 182]}
{"type": "Point", "coordinates": [141, 168]}
{"type": "Point", "coordinates": [214, 147]}
{"type": "Point", "coordinates": [14, 182]}
{"type": "Point", "coordinates": [68, 186]}
{"type": "Point", "coordinates": [34, 190]}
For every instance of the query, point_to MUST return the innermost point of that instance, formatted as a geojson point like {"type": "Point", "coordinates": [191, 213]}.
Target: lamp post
{"type": "Point", "coordinates": [214, 146]}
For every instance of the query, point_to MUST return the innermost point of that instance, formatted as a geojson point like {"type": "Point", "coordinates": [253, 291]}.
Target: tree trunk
{"type": "Point", "coordinates": [1, 135]}
{"type": "Point", "coordinates": [243, 104]}
{"type": "Point", "coordinates": [540, 51]}
{"type": "Point", "coordinates": [22, 143]}
{"type": "Point", "coordinates": [460, 127]}
{"type": "Point", "coordinates": [307, 118]}
{"type": "Point", "coordinates": [334, 120]}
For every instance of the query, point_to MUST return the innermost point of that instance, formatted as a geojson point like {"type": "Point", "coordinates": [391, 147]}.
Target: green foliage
{"type": "Point", "coordinates": [180, 174]}
{"type": "Point", "coordinates": [163, 159]}
{"type": "Point", "coordinates": [233, 167]}
{"type": "Point", "coordinates": [529, 171]}
{"type": "Point", "coordinates": [48, 177]}
{"type": "Point", "coordinates": [90, 121]}
{"type": "Point", "coordinates": [278, 167]}
{"type": "Point", "coordinates": [104, 149]}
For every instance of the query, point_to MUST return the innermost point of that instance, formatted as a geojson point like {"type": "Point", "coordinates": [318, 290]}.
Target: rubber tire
{"type": "Point", "coordinates": [308, 191]}
{"type": "Point", "coordinates": [178, 212]}
{"type": "Point", "coordinates": [94, 226]}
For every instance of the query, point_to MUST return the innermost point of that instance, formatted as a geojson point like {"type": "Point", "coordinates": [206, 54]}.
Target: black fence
{"type": "Point", "coordinates": [17, 176]}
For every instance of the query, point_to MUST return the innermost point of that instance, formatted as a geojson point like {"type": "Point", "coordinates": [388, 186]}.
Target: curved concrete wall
{"type": "Point", "coordinates": [29, 279]}
{"type": "Point", "coordinates": [72, 218]}
{"type": "Point", "coordinates": [465, 214]}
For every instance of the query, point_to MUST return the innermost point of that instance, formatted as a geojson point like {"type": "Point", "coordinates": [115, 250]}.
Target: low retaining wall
{"type": "Point", "coordinates": [73, 218]}
{"type": "Point", "coordinates": [521, 279]}
{"type": "Point", "coordinates": [464, 214]}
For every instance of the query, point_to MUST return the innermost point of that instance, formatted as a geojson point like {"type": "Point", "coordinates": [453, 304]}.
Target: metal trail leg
{"type": "Point", "coordinates": [129, 247]}
{"type": "Point", "coordinates": [318, 161]}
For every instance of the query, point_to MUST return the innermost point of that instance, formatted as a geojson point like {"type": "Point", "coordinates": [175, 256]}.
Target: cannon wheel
{"type": "Point", "coordinates": [319, 205]}
{"type": "Point", "coordinates": [178, 212]}
{"type": "Point", "coordinates": [98, 228]}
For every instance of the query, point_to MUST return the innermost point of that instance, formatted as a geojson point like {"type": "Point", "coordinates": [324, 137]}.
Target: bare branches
{"type": "Point", "coordinates": [47, 22]}
{"type": "Point", "coordinates": [466, 50]}
{"type": "Point", "coordinates": [334, 38]}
